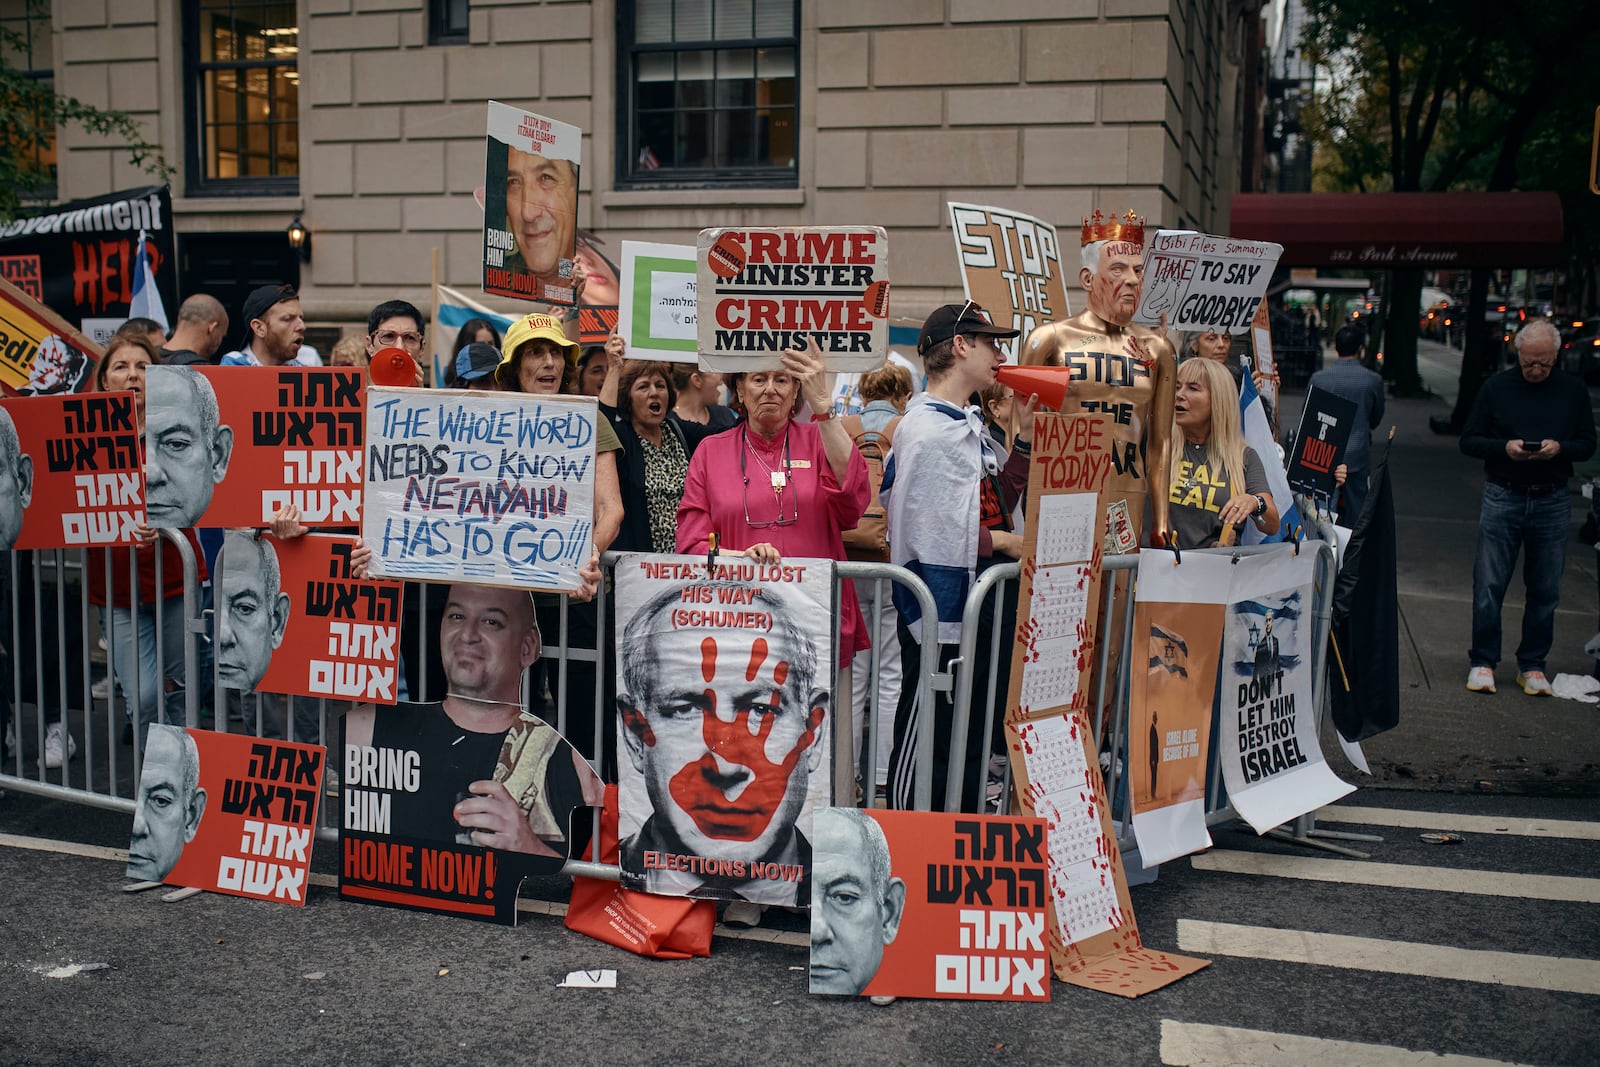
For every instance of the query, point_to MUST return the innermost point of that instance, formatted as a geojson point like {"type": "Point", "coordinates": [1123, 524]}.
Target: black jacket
{"type": "Point", "coordinates": [634, 536]}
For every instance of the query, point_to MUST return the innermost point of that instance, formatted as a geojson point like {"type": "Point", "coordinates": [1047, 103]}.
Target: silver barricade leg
{"type": "Point", "coordinates": [961, 700]}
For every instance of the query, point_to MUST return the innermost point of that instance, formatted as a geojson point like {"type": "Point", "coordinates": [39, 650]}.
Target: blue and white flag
{"type": "Point", "coordinates": [146, 302]}
{"type": "Point", "coordinates": [452, 309]}
{"type": "Point", "coordinates": [1258, 435]}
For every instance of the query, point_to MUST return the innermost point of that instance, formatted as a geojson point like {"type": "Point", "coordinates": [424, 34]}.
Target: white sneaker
{"type": "Point", "coordinates": [101, 690]}
{"type": "Point", "coordinates": [1535, 684]}
{"type": "Point", "coordinates": [742, 913]}
{"type": "Point", "coordinates": [1481, 679]}
{"type": "Point", "coordinates": [53, 755]}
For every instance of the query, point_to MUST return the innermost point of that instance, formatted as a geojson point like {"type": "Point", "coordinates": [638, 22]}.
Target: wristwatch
{"type": "Point", "coordinates": [1261, 505]}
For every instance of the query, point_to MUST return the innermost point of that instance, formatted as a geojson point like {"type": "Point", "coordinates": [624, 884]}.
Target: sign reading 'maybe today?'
{"type": "Point", "coordinates": [491, 488]}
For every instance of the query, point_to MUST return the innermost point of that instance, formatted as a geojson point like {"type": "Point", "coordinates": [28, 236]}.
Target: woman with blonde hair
{"type": "Point", "coordinates": [1217, 480]}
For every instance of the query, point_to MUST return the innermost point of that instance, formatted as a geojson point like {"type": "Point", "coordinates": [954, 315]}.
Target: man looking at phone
{"type": "Point", "coordinates": [1529, 425]}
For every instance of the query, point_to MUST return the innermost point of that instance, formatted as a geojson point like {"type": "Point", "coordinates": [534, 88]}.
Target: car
{"type": "Point", "coordinates": [1580, 350]}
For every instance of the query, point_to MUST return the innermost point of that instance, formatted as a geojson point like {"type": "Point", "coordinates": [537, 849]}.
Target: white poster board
{"type": "Point", "coordinates": [656, 309]}
{"type": "Point", "coordinates": [1011, 265]}
{"type": "Point", "coordinates": [1203, 282]}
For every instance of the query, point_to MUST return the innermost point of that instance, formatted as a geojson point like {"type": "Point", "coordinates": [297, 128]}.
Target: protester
{"type": "Point", "coordinates": [656, 449]}
{"type": "Point", "coordinates": [476, 331]}
{"type": "Point", "coordinates": [349, 351]}
{"type": "Point", "coordinates": [1217, 480]}
{"type": "Point", "coordinates": [149, 329]}
{"type": "Point", "coordinates": [398, 324]}
{"type": "Point", "coordinates": [1218, 347]}
{"type": "Point", "coordinates": [474, 367]}
{"type": "Point", "coordinates": [276, 330]}
{"type": "Point", "coordinates": [699, 398]}
{"type": "Point", "coordinates": [1529, 425]}
{"type": "Point", "coordinates": [593, 366]}
{"type": "Point", "coordinates": [202, 324]}
{"type": "Point", "coordinates": [997, 403]}
{"type": "Point", "coordinates": [1347, 378]}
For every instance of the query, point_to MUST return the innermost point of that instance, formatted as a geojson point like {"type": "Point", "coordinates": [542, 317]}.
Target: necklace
{"type": "Point", "coordinates": [778, 479]}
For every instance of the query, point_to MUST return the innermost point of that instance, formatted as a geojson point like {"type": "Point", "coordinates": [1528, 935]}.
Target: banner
{"type": "Point", "coordinates": [929, 904]}
{"type": "Point", "coordinates": [1258, 435]}
{"type": "Point", "coordinates": [1202, 282]}
{"type": "Point", "coordinates": [485, 487]}
{"type": "Point", "coordinates": [69, 471]}
{"type": "Point", "coordinates": [724, 694]}
{"type": "Point", "coordinates": [228, 813]}
{"type": "Point", "coordinates": [1365, 638]}
{"type": "Point", "coordinates": [1271, 761]}
{"type": "Point", "coordinates": [1172, 680]}
{"type": "Point", "coordinates": [1319, 443]}
{"type": "Point", "coordinates": [658, 302]}
{"type": "Point", "coordinates": [290, 619]}
{"type": "Point", "coordinates": [80, 258]}
{"type": "Point", "coordinates": [762, 291]}
{"type": "Point", "coordinates": [230, 446]}
{"type": "Point", "coordinates": [1011, 265]}
{"type": "Point", "coordinates": [530, 213]}
{"type": "Point", "coordinates": [595, 324]}
{"type": "Point", "coordinates": [40, 355]}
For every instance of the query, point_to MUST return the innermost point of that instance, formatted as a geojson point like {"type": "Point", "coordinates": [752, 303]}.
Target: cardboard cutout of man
{"type": "Point", "coordinates": [171, 804]}
{"type": "Point", "coordinates": [252, 610]}
{"type": "Point", "coordinates": [186, 451]}
{"type": "Point", "coordinates": [16, 482]}
{"type": "Point", "coordinates": [540, 198]}
{"type": "Point", "coordinates": [857, 903]}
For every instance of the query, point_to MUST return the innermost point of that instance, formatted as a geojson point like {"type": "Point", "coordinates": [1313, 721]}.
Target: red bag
{"type": "Point", "coordinates": [664, 928]}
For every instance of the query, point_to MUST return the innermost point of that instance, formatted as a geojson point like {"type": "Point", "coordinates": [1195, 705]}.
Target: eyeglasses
{"type": "Point", "coordinates": [407, 340]}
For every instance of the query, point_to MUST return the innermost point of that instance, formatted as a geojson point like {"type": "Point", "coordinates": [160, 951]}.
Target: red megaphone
{"type": "Point", "coordinates": [1050, 383]}
{"type": "Point", "coordinates": [393, 366]}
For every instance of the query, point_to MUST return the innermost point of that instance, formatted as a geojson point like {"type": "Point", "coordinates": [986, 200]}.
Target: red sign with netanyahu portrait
{"type": "Point", "coordinates": [69, 471]}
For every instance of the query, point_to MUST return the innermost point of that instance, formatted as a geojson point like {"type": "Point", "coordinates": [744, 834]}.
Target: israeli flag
{"type": "Point", "coordinates": [1258, 435]}
{"type": "Point", "coordinates": [146, 302]}
{"type": "Point", "coordinates": [451, 310]}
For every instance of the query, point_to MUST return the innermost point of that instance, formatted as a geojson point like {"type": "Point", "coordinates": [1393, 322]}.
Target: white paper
{"type": "Point", "coordinates": [602, 979]}
{"type": "Point", "coordinates": [1066, 524]}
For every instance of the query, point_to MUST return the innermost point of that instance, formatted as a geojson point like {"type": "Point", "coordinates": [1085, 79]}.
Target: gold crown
{"type": "Point", "coordinates": [1125, 227]}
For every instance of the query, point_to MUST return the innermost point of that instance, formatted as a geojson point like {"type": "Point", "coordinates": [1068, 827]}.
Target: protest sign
{"type": "Point", "coordinates": [1271, 761]}
{"type": "Point", "coordinates": [595, 324]}
{"type": "Point", "coordinates": [762, 291]}
{"type": "Point", "coordinates": [407, 773]}
{"type": "Point", "coordinates": [1201, 282]}
{"type": "Point", "coordinates": [230, 446]}
{"type": "Point", "coordinates": [1177, 639]}
{"type": "Point", "coordinates": [290, 619]}
{"type": "Point", "coordinates": [1011, 265]}
{"type": "Point", "coordinates": [1320, 441]}
{"type": "Point", "coordinates": [530, 207]}
{"type": "Point", "coordinates": [929, 904]}
{"type": "Point", "coordinates": [40, 354]}
{"type": "Point", "coordinates": [493, 488]}
{"type": "Point", "coordinates": [229, 813]}
{"type": "Point", "coordinates": [658, 304]}
{"type": "Point", "coordinates": [78, 258]}
{"type": "Point", "coordinates": [724, 691]}
{"type": "Point", "coordinates": [1265, 361]}
{"type": "Point", "coordinates": [69, 471]}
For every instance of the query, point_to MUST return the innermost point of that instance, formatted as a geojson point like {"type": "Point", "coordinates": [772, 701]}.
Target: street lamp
{"type": "Point", "coordinates": [300, 239]}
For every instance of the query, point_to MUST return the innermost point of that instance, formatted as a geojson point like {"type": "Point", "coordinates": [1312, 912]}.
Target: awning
{"type": "Point", "coordinates": [1427, 230]}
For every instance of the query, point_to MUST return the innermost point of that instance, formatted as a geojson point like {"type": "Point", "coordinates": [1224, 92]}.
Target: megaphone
{"type": "Point", "coordinates": [393, 366]}
{"type": "Point", "coordinates": [1050, 383]}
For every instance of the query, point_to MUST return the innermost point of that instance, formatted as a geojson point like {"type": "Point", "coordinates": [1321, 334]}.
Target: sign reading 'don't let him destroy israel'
{"type": "Point", "coordinates": [1202, 282]}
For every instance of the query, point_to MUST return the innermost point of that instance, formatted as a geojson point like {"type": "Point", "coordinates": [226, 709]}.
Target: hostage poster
{"type": "Point", "coordinates": [40, 355]}
{"type": "Point", "coordinates": [929, 904]}
{"type": "Point", "coordinates": [530, 206]}
{"type": "Point", "coordinates": [228, 813]}
{"type": "Point", "coordinates": [1177, 637]}
{"type": "Point", "coordinates": [290, 619]}
{"type": "Point", "coordinates": [230, 446]}
{"type": "Point", "coordinates": [1010, 265]}
{"type": "Point", "coordinates": [69, 471]}
{"type": "Point", "coordinates": [724, 697]}
{"type": "Point", "coordinates": [1201, 282]}
{"type": "Point", "coordinates": [1271, 761]}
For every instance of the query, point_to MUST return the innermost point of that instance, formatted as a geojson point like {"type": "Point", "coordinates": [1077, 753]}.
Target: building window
{"type": "Point", "coordinates": [448, 21]}
{"type": "Point", "coordinates": [709, 92]}
{"type": "Point", "coordinates": [31, 142]}
{"type": "Point", "coordinates": [244, 96]}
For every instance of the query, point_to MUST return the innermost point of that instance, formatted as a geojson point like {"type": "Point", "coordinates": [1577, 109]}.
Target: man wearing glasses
{"type": "Point", "coordinates": [397, 324]}
{"type": "Point", "coordinates": [272, 315]}
{"type": "Point", "coordinates": [1529, 425]}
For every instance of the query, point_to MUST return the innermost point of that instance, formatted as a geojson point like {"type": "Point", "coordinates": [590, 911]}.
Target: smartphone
{"type": "Point", "coordinates": [1529, 446]}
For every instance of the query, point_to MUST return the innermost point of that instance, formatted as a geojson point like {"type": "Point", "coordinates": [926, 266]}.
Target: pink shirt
{"type": "Point", "coordinates": [716, 493]}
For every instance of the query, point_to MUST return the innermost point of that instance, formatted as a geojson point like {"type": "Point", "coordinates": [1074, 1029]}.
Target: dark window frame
{"type": "Point", "coordinates": [441, 30]}
{"type": "Point", "coordinates": [35, 27]}
{"type": "Point", "coordinates": [629, 176]}
{"type": "Point", "coordinates": [198, 183]}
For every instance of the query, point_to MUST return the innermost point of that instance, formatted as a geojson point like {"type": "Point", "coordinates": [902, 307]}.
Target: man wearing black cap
{"type": "Point", "coordinates": [272, 315]}
{"type": "Point", "coordinates": [474, 368]}
{"type": "Point", "coordinates": [953, 504]}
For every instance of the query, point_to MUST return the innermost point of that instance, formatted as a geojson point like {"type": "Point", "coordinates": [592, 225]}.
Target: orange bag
{"type": "Point", "coordinates": [663, 928]}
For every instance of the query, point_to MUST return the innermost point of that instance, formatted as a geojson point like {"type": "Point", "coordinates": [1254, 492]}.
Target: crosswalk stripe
{"type": "Point", "coordinates": [1464, 824]}
{"type": "Point", "coordinates": [1402, 876]}
{"type": "Point", "coordinates": [1558, 973]}
{"type": "Point", "coordinates": [1198, 1045]}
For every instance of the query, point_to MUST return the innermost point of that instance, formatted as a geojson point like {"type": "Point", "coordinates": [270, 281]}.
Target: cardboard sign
{"type": "Point", "coordinates": [485, 487]}
{"type": "Point", "coordinates": [1202, 282]}
{"type": "Point", "coordinates": [595, 324]}
{"type": "Point", "coordinates": [1011, 265]}
{"type": "Point", "coordinates": [929, 904]}
{"type": "Point", "coordinates": [1266, 363]}
{"type": "Point", "coordinates": [658, 312]}
{"type": "Point", "coordinates": [78, 258]}
{"type": "Point", "coordinates": [725, 692]}
{"type": "Point", "coordinates": [530, 207]}
{"type": "Point", "coordinates": [230, 446]}
{"type": "Point", "coordinates": [40, 355]}
{"type": "Point", "coordinates": [291, 619]}
{"type": "Point", "coordinates": [762, 291]}
{"type": "Point", "coordinates": [1320, 442]}
{"type": "Point", "coordinates": [227, 813]}
{"type": "Point", "coordinates": [1271, 760]}
{"type": "Point", "coordinates": [69, 471]}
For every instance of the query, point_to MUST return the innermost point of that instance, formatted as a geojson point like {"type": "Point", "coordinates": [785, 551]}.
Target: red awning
{"type": "Point", "coordinates": [1428, 230]}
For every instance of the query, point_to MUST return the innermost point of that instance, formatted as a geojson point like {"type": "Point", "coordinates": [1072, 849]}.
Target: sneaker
{"type": "Point", "coordinates": [1481, 679]}
{"type": "Point", "coordinates": [101, 690]}
{"type": "Point", "coordinates": [742, 913]}
{"type": "Point", "coordinates": [54, 756]}
{"type": "Point", "coordinates": [1535, 684]}
{"type": "Point", "coordinates": [881, 1000]}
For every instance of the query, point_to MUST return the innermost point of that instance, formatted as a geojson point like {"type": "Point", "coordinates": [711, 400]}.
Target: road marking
{"type": "Point", "coordinates": [1464, 824]}
{"type": "Point", "coordinates": [65, 848]}
{"type": "Point", "coordinates": [1558, 973]}
{"type": "Point", "coordinates": [1402, 876]}
{"type": "Point", "coordinates": [1198, 1045]}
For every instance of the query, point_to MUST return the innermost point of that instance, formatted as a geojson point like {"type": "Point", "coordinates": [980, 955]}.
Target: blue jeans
{"type": "Point", "coordinates": [1539, 526]}
{"type": "Point", "coordinates": [134, 642]}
